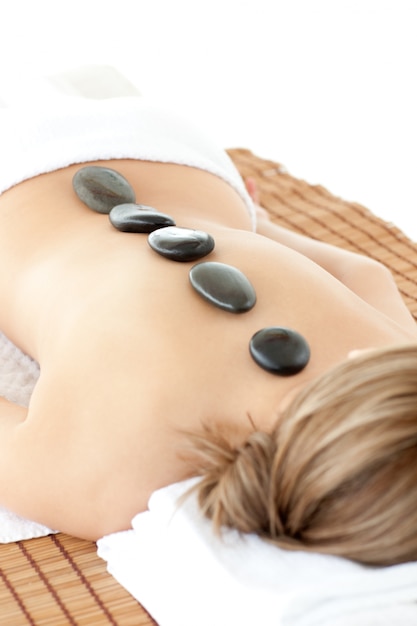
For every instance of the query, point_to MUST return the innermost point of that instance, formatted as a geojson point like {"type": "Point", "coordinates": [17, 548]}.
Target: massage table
{"type": "Point", "coordinates": [59, 579]}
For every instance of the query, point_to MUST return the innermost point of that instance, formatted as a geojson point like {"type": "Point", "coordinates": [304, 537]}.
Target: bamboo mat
{"type": "Point", "coordinates": [60, 580]}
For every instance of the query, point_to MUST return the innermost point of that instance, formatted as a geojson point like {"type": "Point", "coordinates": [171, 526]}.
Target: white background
{"type": "Point", "coordinates": [326, 87]}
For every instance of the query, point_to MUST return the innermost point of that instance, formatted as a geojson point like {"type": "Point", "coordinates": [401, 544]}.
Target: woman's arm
{"type": "Point", "coordinates": [337, 261]}
{"type": "Point", "coordinates": [368, 278]}
{"type": "Point", "coordinates": [334, 260]}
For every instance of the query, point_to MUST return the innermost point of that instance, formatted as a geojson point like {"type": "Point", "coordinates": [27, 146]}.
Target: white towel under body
{"type": "Point", "coordinates": [184, 575]}
{"type": "Point", "coordinates": [18, 376]}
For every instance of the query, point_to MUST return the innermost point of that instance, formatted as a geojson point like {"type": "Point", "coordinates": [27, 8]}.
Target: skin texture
{"type": "Point", "coordinates": [131, 356]}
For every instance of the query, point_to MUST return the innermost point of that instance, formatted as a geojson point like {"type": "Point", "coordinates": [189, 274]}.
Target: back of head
{"type": "Point", "coordinates": [337, 475]}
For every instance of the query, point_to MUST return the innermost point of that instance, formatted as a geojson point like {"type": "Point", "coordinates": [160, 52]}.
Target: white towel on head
{"type": "Point", "coordinates": [18, 376]}
{"type": "Point", "coordinates": [175, 566]}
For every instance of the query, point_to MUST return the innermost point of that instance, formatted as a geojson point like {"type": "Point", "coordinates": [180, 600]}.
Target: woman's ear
{"type": "Point", "coordinates": [353, 354]}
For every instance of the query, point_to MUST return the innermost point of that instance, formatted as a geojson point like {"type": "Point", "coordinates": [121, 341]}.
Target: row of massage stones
{"type": "Point", "coordinates": [279, 350]}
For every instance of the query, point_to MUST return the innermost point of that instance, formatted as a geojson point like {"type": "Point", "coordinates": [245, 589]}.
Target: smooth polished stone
{"type": "Point", "coordinates": [138, 218]}
{"type": "Point", "coordinates": [224, 286]}
{"type": "Point", "coordinates": [102, 188]}
{"type": "Point", "coordinates": [181, 244]}
{"type": "Point", "coordinates": [280, 350]}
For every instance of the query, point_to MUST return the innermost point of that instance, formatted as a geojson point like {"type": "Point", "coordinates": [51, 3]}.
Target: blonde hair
{"type": "Point", "coordinates": [337, 475]}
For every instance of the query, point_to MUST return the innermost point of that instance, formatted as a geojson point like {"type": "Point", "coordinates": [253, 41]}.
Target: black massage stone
{"type": "Point", "coordinates": [181, 244]}
{"type": "Point", "coordinates": [280, 350]}
{"type": "Point", "coordinates": [138, 218]}
{"type": "Point", "coordinates": [224, 286]}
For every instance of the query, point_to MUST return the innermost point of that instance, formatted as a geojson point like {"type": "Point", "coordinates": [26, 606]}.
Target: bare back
{"type": "Point", "coordinates": [131, 356]}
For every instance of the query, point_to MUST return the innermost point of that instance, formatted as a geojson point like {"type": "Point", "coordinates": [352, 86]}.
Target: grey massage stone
{"type": "Point", "coordinates": [102, 188]}
{"type": "Point", "coordinates": [224, 286]}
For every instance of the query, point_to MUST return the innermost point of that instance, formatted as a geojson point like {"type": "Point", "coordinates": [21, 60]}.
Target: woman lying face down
{"type": "Point", "coordinates": [150, 372]}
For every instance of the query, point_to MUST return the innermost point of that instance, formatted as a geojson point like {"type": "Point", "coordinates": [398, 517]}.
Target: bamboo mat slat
{"type": "Point", "coordinates": [60, 580]}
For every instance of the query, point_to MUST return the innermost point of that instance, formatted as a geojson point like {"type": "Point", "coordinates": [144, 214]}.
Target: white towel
{"type": "Point", "coordinates": [59, 126]}
{"type": "Point", "coordinates": [175, 566]}
{"type": "Point", "coordinates": [18, 375]}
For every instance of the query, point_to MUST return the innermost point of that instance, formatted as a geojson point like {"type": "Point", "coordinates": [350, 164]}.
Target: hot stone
{"type": "Point", "coordinates": [138, 218]}
{"type": "Point", "coordinates": [280, 350]}
{"type": "Point", "coordinates": [223, 286]}
{"type": "Point", "coordinates": [102, 188]}
{"type": "Point", "coordinates": [181, 244]}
